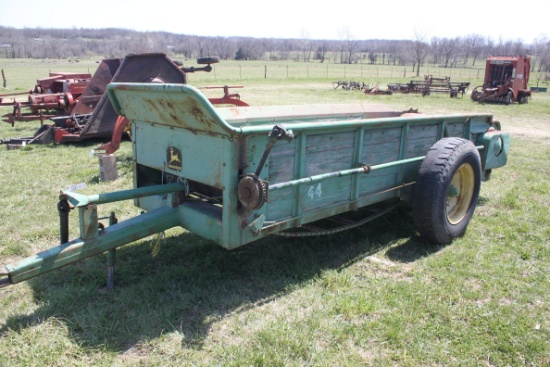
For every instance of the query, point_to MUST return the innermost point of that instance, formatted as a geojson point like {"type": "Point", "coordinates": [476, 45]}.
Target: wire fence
{"type": "Point", "coordinates": [361, 73]}
{"type": "Point", "coordinates": [278, 70]}
{"type": "Point", "coordinates": [246, 70]}
{"type": "Point", "coordinates": [309, 71]}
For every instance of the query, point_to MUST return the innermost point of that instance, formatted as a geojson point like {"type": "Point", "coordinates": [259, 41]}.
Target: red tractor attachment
{"type": "Point", "coordinates": [506, 79]}
{"type": "Point", "coordinates": [51, 96]}
{"type": "Point", "coordinates": [92, 116]}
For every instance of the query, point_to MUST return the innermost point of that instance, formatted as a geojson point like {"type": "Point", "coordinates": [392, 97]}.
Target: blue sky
{"type": "Point", "coordinates": [362, 19]}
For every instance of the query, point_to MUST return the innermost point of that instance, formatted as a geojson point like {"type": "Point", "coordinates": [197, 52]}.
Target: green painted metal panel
{"type": "Point", "coordinates": [496, 148]}
{"type": "Point", "coordinates": [205, 220]}
{"type": "Point", "coordinates": [319, 195]}
{"type": "Point", "coordinates": [329, 152]}
{"type": "Point", "coordinates": [161, 104]}
{"type": "Point", "coordinates": [378, 181]}
{"type": "Point", "coordinates": [202, 156]}
{"type": "Point", "coordinates": [281, 203]}
{"type": "Point", "coordinates": [381, 145]}
{"type": "Point", "coordinates": [316, 175]}
{"type": "Point", "coordinates": [456, 129]}
{"type": "Point", "coordinates": [281, 162]}
{"type": "Point", "coordinates": [420, 139]}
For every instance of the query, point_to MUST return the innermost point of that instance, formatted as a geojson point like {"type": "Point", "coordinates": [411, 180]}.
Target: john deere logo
{"type": "Point", "coordinates": [173, 157]}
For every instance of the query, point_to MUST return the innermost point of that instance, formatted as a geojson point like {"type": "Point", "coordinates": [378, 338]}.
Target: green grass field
{"type": "Point", "coordinates": [373, 296]}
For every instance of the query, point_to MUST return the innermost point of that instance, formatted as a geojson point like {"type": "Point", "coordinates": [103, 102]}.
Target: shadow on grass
{"type": "Point", "coordinates": [191, 283]}
{"type": "Point", "coordinates": [413, 249]}
{"type": "Point", "coordinates": [416, 247]}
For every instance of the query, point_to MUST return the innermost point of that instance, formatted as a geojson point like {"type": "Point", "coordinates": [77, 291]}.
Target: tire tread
{"type": "Point", "coordinates": [434, 176]}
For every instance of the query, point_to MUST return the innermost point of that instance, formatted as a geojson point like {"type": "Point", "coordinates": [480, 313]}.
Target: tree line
{"type": "Point", "coordinates": [108, 43]}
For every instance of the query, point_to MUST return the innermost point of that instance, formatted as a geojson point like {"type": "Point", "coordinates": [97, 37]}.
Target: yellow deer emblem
{"type": "Point", "coordinates": [174, 158]}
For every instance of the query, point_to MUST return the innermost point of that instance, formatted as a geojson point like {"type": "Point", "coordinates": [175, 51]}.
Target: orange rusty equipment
{"type": "Point", "coordinates": [120, 127]}
{"type": "Point", "coordinates": [92, 115]}
{"type": "Point", "coordinates": [50, 97]}
{"type": "Point", "coordinates": [506, 79]}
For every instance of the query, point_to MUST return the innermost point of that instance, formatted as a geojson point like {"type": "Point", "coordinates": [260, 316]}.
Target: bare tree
{"type": "Point", "coordinates": [519, 48]}
{"type": "Point", "coordinates": [544, 65]}
{"type": "Point", "coordinates": [437, 50]}
{"type": "Point", "coordinates": [224, 48]}
{"type": "Point", "coordinates": [393, 49]}
{"type": "Point", "coordinates": [540, 53]}
{"type": "Point", "coordinates": [183, 47]}
{"type": "Point", "coordinates": [372, 48]}
{"type": "Point", "coordinates": [54, 47]}
{"type": "Point", "coordinates": [474, 46]}
{"type": "Point", "coordinates": [418, 49]}
{"type": "Point", "coordinates": [269, 46]}
{"type": "Point", "coordinates": [201, 46]}
{"type": "Point", "coordinates": [321, 52]}
{"type": "Point", "coordinates": [503, 47]}
{"type": "Point", "coordinates": [248, 49]}
{"type": "Point", "coordinates": [404, 55]}
{"type": "Point", "coordinates": [449, 48]}
{"type": "Point", "coordinates": [116, 43]}
{"type": "Point", "coordinates": [139, 44]}
{"type": "Point", "coordinates": [305, 46]}
{"type": "Point", "coordinates": [349, 44]}
{"type": "Point", "coordinates": [286, 49]}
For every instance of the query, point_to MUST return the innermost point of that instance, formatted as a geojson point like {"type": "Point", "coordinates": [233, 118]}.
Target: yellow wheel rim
{"type": "Point", "coordinates": [460, 193]}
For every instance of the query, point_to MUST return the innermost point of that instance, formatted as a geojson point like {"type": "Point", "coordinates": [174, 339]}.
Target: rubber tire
{"type": "Point", "coordinates": [208, 60]}
{"type": "Point", "coordinates": [429, 202]}
{"type": "Point", "coordinates": [522, 99]}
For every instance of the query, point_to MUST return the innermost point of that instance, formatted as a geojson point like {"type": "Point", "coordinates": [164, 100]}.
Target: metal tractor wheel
{"type": "Point", "coordinates": [447, 190]}
{"type": "Point", "coordinates": [509, 99]}
{"type": "Point", "coordinates": [476, 94]}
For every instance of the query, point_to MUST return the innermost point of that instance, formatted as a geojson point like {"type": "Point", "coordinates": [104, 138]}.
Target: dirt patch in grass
{"type": "Point", "coordinates": [530, 130]}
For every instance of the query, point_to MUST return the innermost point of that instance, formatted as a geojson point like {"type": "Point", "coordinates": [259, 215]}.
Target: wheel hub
{"type": "Point", "coordinates": [460, 193]}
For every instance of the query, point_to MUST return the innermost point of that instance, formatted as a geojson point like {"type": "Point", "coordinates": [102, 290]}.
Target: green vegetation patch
{"type": "Point", "coordinates": [377, 295]}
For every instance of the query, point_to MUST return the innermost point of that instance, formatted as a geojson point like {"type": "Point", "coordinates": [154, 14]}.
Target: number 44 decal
{"type": "Point", "coordinates": [315, 191]}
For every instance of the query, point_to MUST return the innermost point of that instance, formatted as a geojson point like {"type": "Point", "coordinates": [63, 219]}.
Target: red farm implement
{"type": "Point", "coordinates": [50, 97]}
{"type": "Point", "coordinates": [506, 79]}
{"type": "Point", "coordinates": [93, 116]}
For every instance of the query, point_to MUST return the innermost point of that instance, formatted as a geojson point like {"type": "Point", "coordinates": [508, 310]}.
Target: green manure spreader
{"type": "Point", "coordinates": [233, 175]}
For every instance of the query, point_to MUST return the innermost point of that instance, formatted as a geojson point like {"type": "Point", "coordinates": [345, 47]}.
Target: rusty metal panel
{"type": "Point", "coordinates": [142, 68]}
{"type": "Point", "coordinates": [96, 87]}
{"type": "Point", "coordinates": [162, 104]}
{"type": "Point", "coordinates": [506, 79]}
